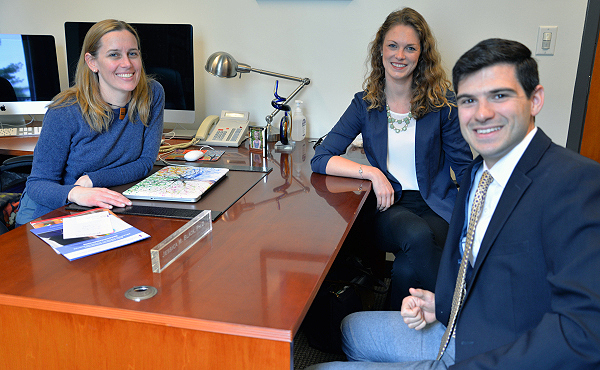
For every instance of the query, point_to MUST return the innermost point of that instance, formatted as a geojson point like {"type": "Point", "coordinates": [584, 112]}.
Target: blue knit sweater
{"type": "Point", "coordinates": [68, 149]}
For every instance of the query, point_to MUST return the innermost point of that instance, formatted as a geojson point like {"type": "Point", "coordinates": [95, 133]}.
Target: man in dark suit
{"type": "Point", "coordinates": [530, 298]}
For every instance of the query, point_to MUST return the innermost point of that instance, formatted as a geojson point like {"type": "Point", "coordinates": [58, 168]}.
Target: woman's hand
{"type": "Point", "coordinates": [384, 191]}
{"type": "Point", "coordinates": [418, 309]}
{"type": "Point", "coordinates": [97, 197]}
{"type": "Point", "coordinates": [84, 181]}
{"type": "Point", "coordinates": [381, 186]}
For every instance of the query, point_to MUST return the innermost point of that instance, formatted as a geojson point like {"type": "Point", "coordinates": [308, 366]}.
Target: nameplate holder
{"type": "Point", "coordinates": [193, 234]}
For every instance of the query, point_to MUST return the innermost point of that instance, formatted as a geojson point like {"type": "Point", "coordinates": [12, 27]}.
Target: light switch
{"type": "Point", "coordinates": [546, 40]}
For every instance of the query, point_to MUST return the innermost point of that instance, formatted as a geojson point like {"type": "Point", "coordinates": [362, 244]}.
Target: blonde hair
{"type": "Point", "coordinates": [86, 89]}
{"type": "Point", "coordinates": [430, 84]}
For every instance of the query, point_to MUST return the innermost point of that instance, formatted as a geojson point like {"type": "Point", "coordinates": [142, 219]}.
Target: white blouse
{"type": "Point", "coordinates": [401, 153]}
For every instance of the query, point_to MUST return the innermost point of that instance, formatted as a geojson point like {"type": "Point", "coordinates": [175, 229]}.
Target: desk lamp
{"type": "Point", "coordinates": [222, 64]}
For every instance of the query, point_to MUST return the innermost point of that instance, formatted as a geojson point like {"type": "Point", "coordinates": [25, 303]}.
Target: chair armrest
{"type": "Point", "coordinates": [24, 159]}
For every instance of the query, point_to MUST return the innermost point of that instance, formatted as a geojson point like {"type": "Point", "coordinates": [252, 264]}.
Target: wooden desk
{"type": "Point", "coordinates": [17, 145]}
{"type": "Point", "coordinates": [238, 306]}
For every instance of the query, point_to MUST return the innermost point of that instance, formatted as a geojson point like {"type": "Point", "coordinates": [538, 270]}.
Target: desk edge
{"type": "Point", "coordinates": [148, 317]}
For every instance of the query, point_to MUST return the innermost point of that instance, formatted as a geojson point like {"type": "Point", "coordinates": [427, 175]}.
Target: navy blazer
{"type": "Point", "coordinates": [533, 301]}
{"type": "Point", "coordinates": [439, 145]}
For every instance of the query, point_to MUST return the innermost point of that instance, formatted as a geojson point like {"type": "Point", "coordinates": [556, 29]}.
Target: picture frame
{"type": "Point", "coordinates": [257, 142]}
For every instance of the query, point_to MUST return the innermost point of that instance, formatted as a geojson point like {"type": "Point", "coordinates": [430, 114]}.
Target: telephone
{"type": "Point", "coordinates": [230, 129]}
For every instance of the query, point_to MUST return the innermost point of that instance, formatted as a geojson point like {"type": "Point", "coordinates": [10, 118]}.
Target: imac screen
{"type": "Point", "coordinates": [28, 76]}
{"type": "Point", "coordinates": [167, 54]}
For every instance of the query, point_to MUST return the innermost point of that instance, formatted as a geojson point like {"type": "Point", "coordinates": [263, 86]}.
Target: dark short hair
{"type": "Point", "coordinates": [496, 51]}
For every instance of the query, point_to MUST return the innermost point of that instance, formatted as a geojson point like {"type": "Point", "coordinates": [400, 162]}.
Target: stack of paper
{"type": "Point", "coordinates": [86, 233]}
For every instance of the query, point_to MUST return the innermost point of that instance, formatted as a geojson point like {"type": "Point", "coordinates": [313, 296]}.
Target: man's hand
{"type": "Point", "coordinates": [97, 197]}
{"type": "Point", "coordinates": [418, 309]}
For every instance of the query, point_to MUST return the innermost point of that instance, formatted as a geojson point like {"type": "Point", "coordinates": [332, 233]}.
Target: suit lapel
{"type": "Point", "coordinates": [378, 123]}
{"type": "Point", "coordinates": [517, 184]}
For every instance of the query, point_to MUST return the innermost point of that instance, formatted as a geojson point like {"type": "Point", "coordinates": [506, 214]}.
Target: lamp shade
{"type": "Point", "coordinates": [221, 64]}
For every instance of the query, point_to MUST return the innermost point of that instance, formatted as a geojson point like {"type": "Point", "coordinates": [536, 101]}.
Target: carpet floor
{"type": "Point", "coordinates": [305, 355]}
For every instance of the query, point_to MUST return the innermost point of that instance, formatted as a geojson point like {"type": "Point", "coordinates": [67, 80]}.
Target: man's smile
{"type": "Point", "coordinates": [487, 130]}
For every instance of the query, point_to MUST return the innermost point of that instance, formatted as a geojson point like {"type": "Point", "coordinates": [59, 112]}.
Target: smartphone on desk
{"type": "Point", "coordinates": [230, 129]}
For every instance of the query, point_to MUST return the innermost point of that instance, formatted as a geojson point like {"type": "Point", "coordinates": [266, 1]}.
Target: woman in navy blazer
{"type": "Point", "coordinates": [408, 120]}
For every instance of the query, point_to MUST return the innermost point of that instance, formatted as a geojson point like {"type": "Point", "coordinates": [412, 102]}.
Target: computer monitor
{"type": "Point", "coordinates": [168, 55]}
{"type": "Point", "coordinates": [28, 76]}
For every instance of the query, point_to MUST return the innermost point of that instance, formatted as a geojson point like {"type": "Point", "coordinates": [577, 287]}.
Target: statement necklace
{"type": "Point", "coordinates": [392, 120]}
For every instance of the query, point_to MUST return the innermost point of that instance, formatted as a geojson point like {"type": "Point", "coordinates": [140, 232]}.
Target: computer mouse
{"type": "Point", "coordinates": [193, 155]}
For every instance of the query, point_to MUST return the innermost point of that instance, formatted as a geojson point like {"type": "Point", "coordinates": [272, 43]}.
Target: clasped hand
{"type": "Point", "coordinates": [383, 189]}
{"type": "Point", "coordinates": [418, 309]}
{"type": "Point", "coordinates": [86, 195]}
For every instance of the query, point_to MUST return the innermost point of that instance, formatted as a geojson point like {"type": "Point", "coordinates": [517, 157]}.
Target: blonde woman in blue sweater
{"type": "Point", "coordinates": [104, 131]}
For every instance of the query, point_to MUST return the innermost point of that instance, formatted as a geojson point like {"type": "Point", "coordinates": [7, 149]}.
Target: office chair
{"type": "Point", "coordinates": [13, 175]}
{"type": "Point", "coordinates": [14, 172]}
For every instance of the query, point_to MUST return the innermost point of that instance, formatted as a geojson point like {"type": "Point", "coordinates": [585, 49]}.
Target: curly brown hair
{"type": "Point", "coordinates": [430, 84]}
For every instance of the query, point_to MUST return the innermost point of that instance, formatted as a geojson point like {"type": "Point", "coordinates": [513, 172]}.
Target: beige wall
{"type": "Point", "coordinates": [325, 40]}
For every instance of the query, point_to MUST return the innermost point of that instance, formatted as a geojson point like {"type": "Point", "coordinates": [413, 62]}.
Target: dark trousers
{"type": "Point", "coordinates": [410, 230]}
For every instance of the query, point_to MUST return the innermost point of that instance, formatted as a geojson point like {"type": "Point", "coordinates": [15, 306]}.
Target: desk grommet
{"type": "Point", "coordinates": [139, 293]}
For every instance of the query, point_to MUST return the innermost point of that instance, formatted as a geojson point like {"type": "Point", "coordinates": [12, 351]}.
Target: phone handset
{"type": "Point", "coordinates": [201, 135]}
{"type": "Point", "coordinates": [205, 127]}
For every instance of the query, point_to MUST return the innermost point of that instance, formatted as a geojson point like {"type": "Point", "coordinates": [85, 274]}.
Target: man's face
{"type": "Point", "coordinates": [494, 111]}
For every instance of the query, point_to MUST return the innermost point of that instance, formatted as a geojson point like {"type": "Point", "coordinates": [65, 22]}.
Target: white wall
{"type": "Point", "coordinates": [325, 40]}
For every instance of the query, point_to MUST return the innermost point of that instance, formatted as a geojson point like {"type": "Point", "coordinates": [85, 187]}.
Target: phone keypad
{"type": "Point", "coordinates": [220, 135]}
{"type": "Point", "coordinates": [227, 134]}
{"type": "Point", "coordinates": [235, 134]}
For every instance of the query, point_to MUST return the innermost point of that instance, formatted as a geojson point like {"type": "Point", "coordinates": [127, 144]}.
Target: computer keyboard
{"type": "Point", "coordinates": [20, 131]}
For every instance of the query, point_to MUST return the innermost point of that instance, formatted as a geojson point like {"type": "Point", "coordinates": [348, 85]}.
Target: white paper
{"type": "Point", "coordinates": [92, 224]}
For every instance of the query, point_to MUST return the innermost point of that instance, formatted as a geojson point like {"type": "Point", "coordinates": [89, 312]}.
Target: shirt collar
{"type": "Point", "coordinates": [503, 169]}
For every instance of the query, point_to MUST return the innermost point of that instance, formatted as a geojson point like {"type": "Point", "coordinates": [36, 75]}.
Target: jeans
{"type": "Point", "coordinates": [381, 340]}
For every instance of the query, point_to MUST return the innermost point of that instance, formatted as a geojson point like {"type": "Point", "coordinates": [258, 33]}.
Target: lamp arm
{"type": "Point", "coordinates": [303, 82]}
{"type": "Point", "coordinates": [278, 75]}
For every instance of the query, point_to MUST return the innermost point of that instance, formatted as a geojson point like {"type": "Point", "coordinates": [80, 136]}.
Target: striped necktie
{"type": "Point", "coordinates": [459, 289]}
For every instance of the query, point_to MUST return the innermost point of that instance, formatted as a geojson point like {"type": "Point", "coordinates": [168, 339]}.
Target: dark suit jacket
{"type": "Point", "coordinates": [533, 301]}
{"type": "Point", "coordinates": [439, 145]}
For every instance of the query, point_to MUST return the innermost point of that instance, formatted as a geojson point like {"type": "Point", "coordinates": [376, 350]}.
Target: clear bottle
{"type": "Point", "coordinates": [298, 123]}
